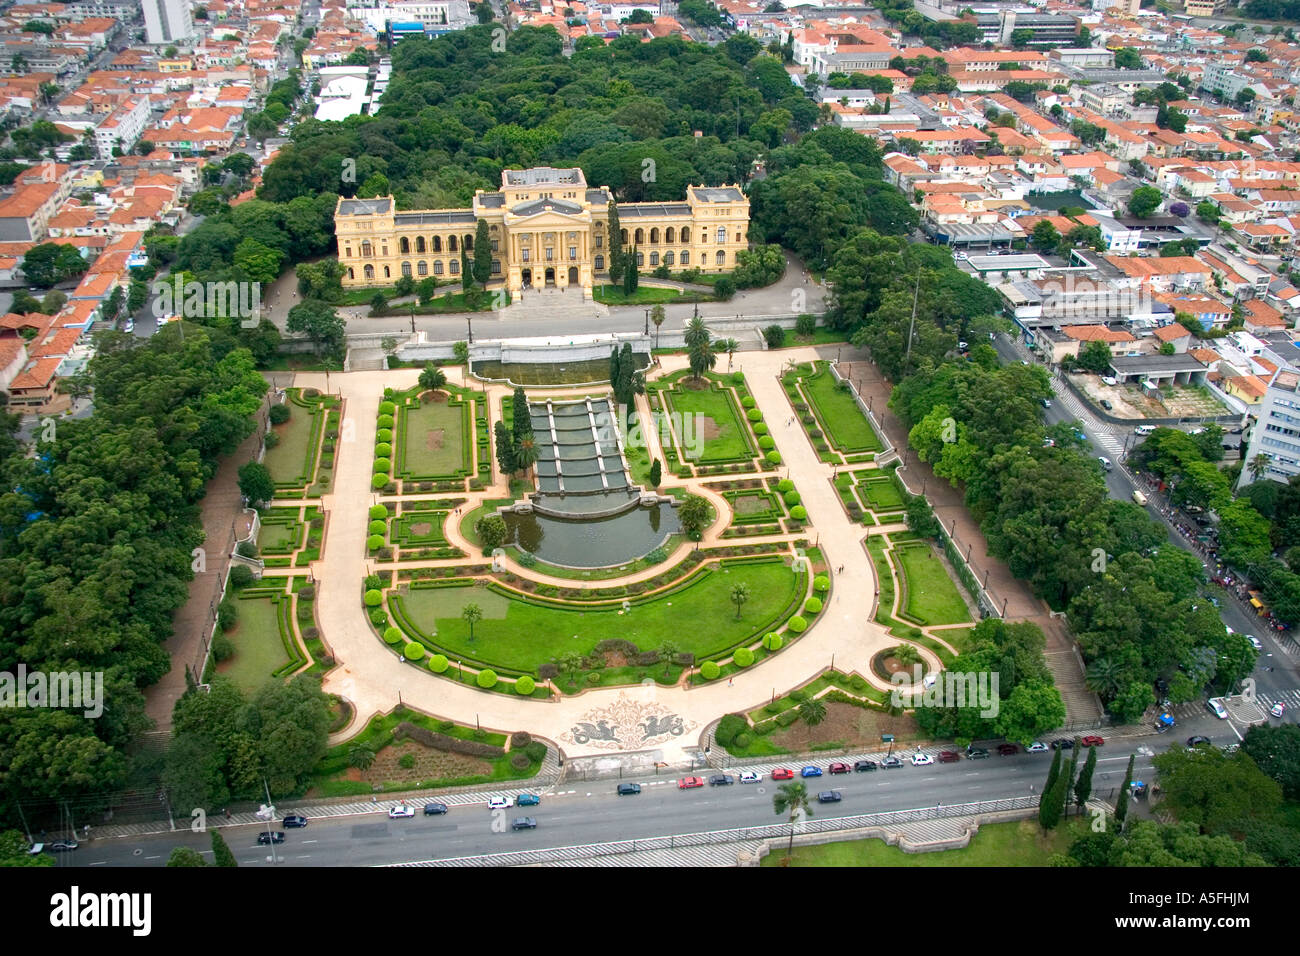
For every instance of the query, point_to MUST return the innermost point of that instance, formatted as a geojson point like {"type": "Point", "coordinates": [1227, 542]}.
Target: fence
{"type": "Point", "coordinates": [775, 831]}
{"type": "Point", "coordinates": [887, 447]}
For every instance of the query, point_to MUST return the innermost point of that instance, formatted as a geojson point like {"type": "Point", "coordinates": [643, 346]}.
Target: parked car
{"type": "Point", "coordinates": [829, 796]}
{"type": "Point", "coordinates": [1255, 642]}
{"type": "Point", "coordinates": [1092, 740]}
{"type": "Point", "coordinates": [500, 803]}
{"type": "Point", "coordinates": [1047, 403]}
{"type": "Point", "coordinates": [129, 327]}
{"type": "Point", "coordinates": [628, 789]}
{"type": "Point", "coordinates": [890, 763]}
{"type": "Point", "coordinates": [1062, 743]}
{"type": "Point", "coordinates": [1037, 747]}
{"type": "Point", "coordinates": [921, 760]}
{"type": "Point", "coordinates": [294, 821]}
{"type": "Point", "coordinates": [65, 846]}
{"type": "Point", "coordinates": [750, 776]}
{"type": "Point", "coordinates": [863, 766]}
{"type": "Point", "coordinates": [1144, 429]}
{"type": "Point", "coordinates": [949, 756]}
{"type": "Point", "coordinates": [528, 800]}
{"type": "Point", "coordinates": [1109, 380]}
{"type": "Point", "coordinates": [524, 823]}
{"type": "Point", "coordinates": [1008, 750]}
{"type": "Point", "coordinates": [782, 773]}
{"type": "Point", "coordinates": [264, 838]}
{"type": "Point", "coordinates": [1105, 463]}
{"type": "Point", "coordinates": [401, 811]}
{"type": "Point", "coordinates": [840, 768]}
{"type": "Point", "coordinates": [810, 771]}
{"type": "Point", "coordinates": [976, 753]}
{"type": "Point", "coordinates": [1216, 707]}
{"type": "Point", "coordinates": [690, 783]}
{"type": "Point", "coordinates": [1278, 709]}
{"type": "Point", "coordinates": [1106, 404]}
{"type": "Point", "coordinates": [1198, 741]}
{"type": "Point", "coordinates": [721, 780]}
{"type": "Point", "coordinates": [434, 809]}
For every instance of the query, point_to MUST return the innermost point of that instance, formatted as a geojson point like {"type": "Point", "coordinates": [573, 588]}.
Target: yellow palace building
{"type": "Point", "coordinates": [548, 229]}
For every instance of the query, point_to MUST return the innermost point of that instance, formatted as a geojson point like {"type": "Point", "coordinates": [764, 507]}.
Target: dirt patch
{"type": "Point", "coordinates": [421, 529]}
{"type": "Point", "coordinates": [440, 397]}
{"type": "Point", "coordinates": [693, 383]}
{"type": "Point", "coordinates": [856, 727]}
{"type": "Point", "coordinates": [429, 764]}
{"type": "Point", "coordinates": [615, 659]}
{"type": "Point", "coordinates": [708, 428]}
{"type": "Point", "coordinates": [433, 439]}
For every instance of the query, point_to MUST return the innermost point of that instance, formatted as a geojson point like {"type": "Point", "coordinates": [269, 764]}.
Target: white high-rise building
{"type": "Point", "coordinates": [166, 21]}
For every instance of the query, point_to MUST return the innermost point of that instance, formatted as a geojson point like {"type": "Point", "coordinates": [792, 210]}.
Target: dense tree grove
{"type": "Point", "coordinates": [96, 535]}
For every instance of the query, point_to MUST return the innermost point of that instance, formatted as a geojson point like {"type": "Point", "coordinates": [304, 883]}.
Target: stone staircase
{"type": "Point", "coordinates": [365, 360]}
{"type": "Point", "coordinates": [552, 304]}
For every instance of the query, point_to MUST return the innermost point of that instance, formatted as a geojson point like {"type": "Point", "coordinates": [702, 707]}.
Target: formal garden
{"type": "Point", "coordinates": [291, 536]}
{"type": "Point", "coordinates": [260, 636]}
{"type": "Point", "coordinates": [716, 425]}
{"type": "Point", "coordinates": [836, 426]}
{"type": "Point", "coordinates": [761, 506]}
{"type": "Point", "coordinates": [301, 444]}
{"type": "Point", "coordinates": [432, 439]}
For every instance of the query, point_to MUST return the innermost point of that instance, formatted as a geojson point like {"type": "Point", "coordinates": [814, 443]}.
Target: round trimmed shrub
{"type": "Point", "coordinates": [798, 624]}
{"type": "Point", "coordinates": [812, 605]}
{"type": "Point", "coordinates": [438, 663]}
{"type": "Point", "coordinates": [754, 415]}
{"type": "Point", "coordinates": [743, 657]}
{"type": "Point", "coordinates": [772, 641]}
{"type": "Point", "coordinates": [821, 583]}
{"type": "Point", "coordinates": [784, 485]}
{"type": "Point", "coordinates": [374, 598]}
{"type": "Point", "coordinates": [748, 401]}
{"type": "Point", "coordinates": [374, 542]}
{"type": "Point", "coordinates": [738, 378]}
{"type": "Point", "coordinates": [378, 527]}
{"type": "Point", "coordinates": [223, 648]}
{"type": "Point", "coordinates": [520, 739]}
{"type": "Point", "coordinates": [378, 618]}
{"type": "Point", "coordinates": [799, 513]}
{"type": "Point", "coordinates": [524, 687]}
{"type": "Point", "coordinates": [791, 498]}
{"type": "Point", "coordinates": [387, 408]}
{"type": "Point", "coordinates": [519, 761]}
{"type": "Point", "coordinates": [486, 678]}
{"type": "Point", "coordinates": [383, 465]}
{"type": "Point", "coordinates": [766, 442]}
{"type": "Point", "coordinates": [773, 457]}
{"type": "Point", "coordinates": [385, 421]}
{"type": "Point", "coordinates": [392, 635]}
{"type": "Point", "coordinates": [742, 741]}
{"type": "Point", "coordinates": [378, 511]}
{"type": "Point", "coordinates": [384, 434]}
{"type": "Point", "coordinates": [760, 428]}
{"type": "Point", "coordinates": [709, 670]}
{"type": "Point", "coordinates": [383, 450]}
{"type": "Point", "coordinates": [279, 414]}
{"type": "Point", "coordinates": [413, 651]}
{"type": "Point", "coordinates": [593, 678]}
{"type": "Point", "coordinates": [378, 481]}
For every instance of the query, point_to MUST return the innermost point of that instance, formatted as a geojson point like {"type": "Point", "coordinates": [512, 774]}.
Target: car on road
{"type": "Point", "coordinates": [922, 760]}
{"type": "Point", "coordinates": [810, 771]}
{"type": "Point", "coordinates": [1062, 743]}
{"type": "Point", "coordinates": [690, 783]}
{"type": "Point", "coordinates": [401, 811]}
{"type": "Point", "coordinates": [1037, 747]}
{"type": "Point", "coordinates": [1255, 642]}
{"type": "Point", "coordinates": [1198, 741]}
{"type": "Point", "coordinates": [1278, 709]}
{"type": "Point", "coordinates": [528, 800]}
{"type": "Point", "coordinates": [782, 773]}
{"type": "Point", "coordinates": [829, 796]}
{"type": "Point", "coordinates": [294, 821]}
{"type": "Point", "coordinates": [1109, 380]}
{"type": "Point", "coordinates": [1140, 500]}
{"type": "Point", "coordinates": [750, 776]}
{"type": "Point", "coordinates": [266, 839]}
{"type": "Point", "coordinates": [1105, 463]}
{"type": "Point", "coordinates": [65, 846]}
{"type": "Point", "coordinates": [1106, 404]}
{"type": "Point", "coordinates": [1215, 704]}
{"type": "Point", "coordinates": [500, 803]}
{"type": "Point", "coordinates": [1008, 750]}
{"type": "Point", "coordinates": [891, 763]}
{"type": "Point", "coordinates": [864, 766]}
{"type": "Point", "coordinates": [129, 327]}
{"type": "Point", "coordinates": [1144, 429]}
{"type": "Point", "coordinates": [840, 768]}
{"type": "Point", "coordinates": [628, 789]}
{"type": "Point", "coordinates": [1079, 435]}
{"type": "Point", "coordinates": [524, 823]}
{"type": "Point", "coordinates": [721, 780]}
{"type": "Point", "coordinates": [1092, 740]}
{"type": "Point", "coordinates": [435, 809]}
{"type": "Point", "coordinates": [165, 318]}
{"type": "Point", "coordinates": [976, 753]}
{"type": "Point", "coordinates": [1047, 402]}
{"type": "Point", "coordinates": [949, 756]}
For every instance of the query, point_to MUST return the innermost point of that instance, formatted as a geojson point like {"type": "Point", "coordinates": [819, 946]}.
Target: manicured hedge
{"type": "Point", "coordinates": [709, 670]}
{"type": "Point", "coordinates": [760, 428]}
{"type": "Point", "coordinates": [378, 526]}
{"type": "Point", "coordinates": [387, 408]}
{"type": "Point", "coordinates": [798, 624]}
{"type": "Point", "coordinates": [743, 657]}
{"type": "Point", "coordinates": [392, 635]}
{"type": "Point", "coordinates": [374, 598]}
{"type": "Point", "coordinates": [438, 663]}
{"type": "Point", "coordinates": [821, 583]}
{"type": "Point", "coordinates": [378, 481]}
{"type": "Point", "coordinates": [374, 542]}
{"type": "Point", "coordinates": [812, 605]}
{"type": "Point", "coordinates": [791, 498]}
{"type": "Point", "coordinates": [486, 678]}
{"type": "Point", "coordinates": [383, 465]}
{"type": "Point", "coordinates": [384, 435]}
{"type": "Point", "coordinates": [754, 415]}
{"type": "Point", "coordinates": [773, 458]}
{"type": "Point", "coordinates": [378, 511]}
{"type": "Point", "coordinates": [784, 485]}
{"type": "Point", "coordinates": [772, 641]}
{"type": "Point", "coordinates": [524, 686]}
{"type": "Point", "coordinates": [383, 450]}
{"type": "Point", "coordinates": [413, 651]}
{"type": "Point", "coordinates": [799, 513]}
{"type": "Point", "coordinates": [437, 741]}
{"type": "Point", "coordinates": [385, 421]}
{"type": "Point", "coordinates": [766, 442]}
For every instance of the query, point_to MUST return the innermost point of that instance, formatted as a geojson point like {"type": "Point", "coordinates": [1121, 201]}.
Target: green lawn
{"type": "Point", "coordinates": [258, 648]}
{"type": "Point", "coordinates": [881, 494]}
{"type": "Point", "coordinates": [932, 597]}
{"type": "Point", "coordinates": [644, 295]}
{"type": "Point", "coordinates": [433, 439]}
{"type": "Point", "coordinates": [1019, 843]}
{"type": "Point", "coordinates": [846, 426]}
{"type": "Point", "coordinates": [293, 461]}
{"type": "Point", "coordinates": [419, 528]}
{"type": "Point", "coordinates": [521, 636]}
{"type": "Point", "coordinates": [719, 433]}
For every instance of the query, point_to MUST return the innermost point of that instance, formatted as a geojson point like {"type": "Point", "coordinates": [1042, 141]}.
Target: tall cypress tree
{"type": "Point", "coordinates": [1083, 787]}
{"type": "Point", "coordinates": [630, 272]}
{"type": "Point", "coordinates": [221, 855]}
{"type": "Point", "coordinates": [626, 375]}
{"type": "Point", "coordinates": [505, 449]}
{"type": "Point", "coordinates": [523, 423]}
{"type": "Point", "coordinates": [614, 376]}
{"type": "Point", "coordinates": [466, 270]}
{"type": "Point", "coordinates": [1121, 803]}
{"type": "Point", "coordinates": [482, 253]}
{"type": "Point", "coordinates": [1049, 807]}
{"type": "Point", "coordinates": [1070, 778]}
{"type": "Point", "coordinates": [615, 245]}
{"type": "Point", "coordinates": [656, 473]}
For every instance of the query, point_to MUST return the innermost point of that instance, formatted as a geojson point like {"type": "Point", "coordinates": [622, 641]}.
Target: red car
{"type": "Point", "coordinates": [781, 773]}
{"type": "Point", "coordinates": [949, 756]}
{"type": "Point", "coordinates": [690, 783]}
{"type": "Point", "coordinates": [1008, 750]}
{"type": "Point", "coordinates": [1092, 740]}
{"type": "Point", "coordinates": [840, 768]}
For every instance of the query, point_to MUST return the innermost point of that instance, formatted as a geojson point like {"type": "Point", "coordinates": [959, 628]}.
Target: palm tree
{"type": "Point", "coordinates": [360, 757]}
{"type": "Point", "coordinates": [907, 655]}
{"type": "Point", "coordinates": [729, 346]}
{"type": "Point", "coordinates": [1259, 465]}
{"type": "Point", "coordinates": [472, 614]}
{"type": "Point", "coordinates": [569, 663]}
{"type": "Point", "coordinates": [526, 454]}
{"type": "Point", "coordinates": [739, 595]}
{"type": "Point", "coordinates": [812, 712]}
{"type": "Point", "coordinates": [698, 347]}
{"type": "Point", "coordinates": [1103, 677]}
{"type": "Point", "coordinates": [792, 799]}
{"type": "Point", "coordinates": [667, 651]}
{"type": "Point", "coordinates": [432, 378]}
{"type": "Point", "coordinates": [657, 316]}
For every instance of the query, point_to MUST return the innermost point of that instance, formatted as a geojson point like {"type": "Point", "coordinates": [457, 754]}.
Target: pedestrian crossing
{"type": "Point", "coordinates": [1075, 407]}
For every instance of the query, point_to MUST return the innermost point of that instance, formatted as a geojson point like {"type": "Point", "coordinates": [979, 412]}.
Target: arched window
{"type": "Point", "coordinates": [370, 272]}
{"type": "Point", "coordinates": [654, 258]}
{"type": "Point", "coordinates": [469, 243]}
{"type": "Point", "coordinates": [437, 267]}
{"type": "Point", "coordinates": [686, 257]}
{"type": "Point", "coordinates": [686, 235]}
{"type": "Point", "coordinates": [350, 275]}
{"type": "Point", "coordinates": [640, 259]}
{"type": "Point", "coordinates": [455, 267]}
{"type": "Point", "coordinates": [404, 246]}
{"type": "Point", "coordinates": [366, 250]}
{"type": "Point", "coordinates": [722, 258]}
{"type": "Point", "coordinates": [669, 235]}
{"type": "Point", "coordinates": [623, 236]}
{"type": "Point", "coordinates": [451, 244]}
{"type": "Point", "coordinates": [419, 244]}
{"type": "Point", "coordinates": [437, 243]}
{"type": "Point", "coordinates": [422, 268]}
{"type": "Point", "coordinates": [406, 268]}
{"type": "Point", "coordinates": [668, 258]}
{"type": "Point", "coordinates": [600, 263]}
{"type": "Point", "coordinates": [388, 273]}
{"type": "Point", "coordinates": [722, 234]}
{"type": "Point", "coordinates": [654, 235]}
{"type": "Point", "coordinates": [640, 237]}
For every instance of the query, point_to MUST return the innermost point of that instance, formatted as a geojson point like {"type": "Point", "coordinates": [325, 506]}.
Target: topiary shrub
{"type": "Point", "coordinates": [656, 556]}
{"type": "Point", "coordinates": [536, 751]}
{"type": "Point", "coordinates": [279, 414]}
{"type": "Point", "coordinates": [791, 498]}
{"type": "Point", "coordinates": [821, 583]}
{"type": "Point", "coordinates": [773, 457]}
{"type": "Point", "coordinates": [387, 408]}
{"type": "Point", "coordinates": [227, 614]}
{"type": "Point", "coordinates": [378, 482]}
{"type": "Point", "coordinates": [520, 740]}
{"type": "Point", "coordinates": [378, 617]}
{"type": "Point", "coordinates": [383, 450]}
{"type": "Point", "coordinates": [743, 657]}
{"type": "Point", "coordinates": [760, 428]}
{"type": "Point", "coordinates": [528, 560]}
{"type": "Point", "coordinates": [384, 434]}
{"type": "Point", "coordinates": [519, 761]}
{"type": "Point", "coordinates": [798, 624]}
{"type": "Point", "coordinates": [438, 663]}
{"type": "Point", "coordinates": [766, 442]}
{"type": "Point", "coordinates": [392, 635]}
{"type": "Point", "coordinates": [383, 465]}
{"type": "Point", "coordinates": [709, 670]}
{"type": "Point", "coordinates": [784, 485]}
{"type": "Point", "coordinates": [799, 513]}
{"type": "Point", "coordinates": [223, 648]}
{"type": "Point", "coordinates": [270, 440]}
{"type": "Point", "coordinates": [374, 598]}
{"type": "Point", "coordinates": [413, 651]}
{"type": "Point", "coordinates": [742, 741]}
{"type": "Point", "coordinates": [754, 415]}
{"type": "Point", "coordinates": [378, 511]}
{"type": "Point", "coordinates": [812, 605]}
{"type": "Point", "coordinates": [525, 686]}
{"type": "Point", "coordinates": [241, 576]}
{"type": "Point", "coordinates": [385, 421]}
{"type": "Point", "coordinates": [728, 727]}
{"type": "Point", "coordinates": [378, 526]}
{"type": "Point", "coordinates": [374, 542]}
{"type": "Point", "coordinates": [772, 641]}
{"type": "Point", "coordinates": [593, 678]}
{"type": "Point", "coordinates": [486, 678]}
{"type": "Point", "coordinates": [748, 401]}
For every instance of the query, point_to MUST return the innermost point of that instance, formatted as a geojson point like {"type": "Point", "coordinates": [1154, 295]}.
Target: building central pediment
{"type": "Point", "coordinates": [544, 219]}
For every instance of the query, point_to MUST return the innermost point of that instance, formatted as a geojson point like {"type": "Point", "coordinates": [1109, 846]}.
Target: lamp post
{"type": "Point", "coordinates": [647, 321]}
{"type": "Point", "coordinates": [469, 328]}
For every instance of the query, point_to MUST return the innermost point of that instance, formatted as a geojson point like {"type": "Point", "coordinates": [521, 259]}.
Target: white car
{"type": "Point", "coordinates": [1255, 642]}
{"type": "Point", "coordinates": [922, 760]}
{"type": "Point", "coordinates": [1109, 380]}
{"type": "Point", "coordinates": [129, 327]}
{"type": "Point", "coordinates": [1037, 747]}
{"type": "Point", "coordinates": [398, 812]}
{"type": "Point", "coordinates": [164, 319]}
{"type": "Point", "coordinates": [1144, 429]}
{"type": "Point", "coordinates": [749, 776]}
{"type": "Point", "coordinates": [1278, 709]}
{"type": "Point", "coordinates": [500, 803]}
{"type": "Point", "coordinates": [1216, 707]}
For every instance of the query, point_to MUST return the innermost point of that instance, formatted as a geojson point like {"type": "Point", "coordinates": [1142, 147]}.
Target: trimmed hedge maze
{"type": "Point", "coordinates": [303, 458]}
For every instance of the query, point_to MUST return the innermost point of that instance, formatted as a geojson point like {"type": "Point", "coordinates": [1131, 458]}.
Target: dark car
{"type": "Point", "coordinates": [889, 763]}
{"type": "Point", "coordinates": [524, 823]}
{"type": "Point", "coordinates": [840, 768]}
{"type": "Point", "coordinates": [721, 780]}
{"type": "Point", "coordinates": [976, 753]}
{"type": "Point", "coordinates": [1105, 403]}
{"type": "Point", "coordinates": [528, 800]}
{"type": "Point", "coordinates": [1062, 743]}
{"type": "Point", "coordinates": [864, 765]}
{"type": "Point", "coordinates": [1008, 750]}
{"type": "Point", "coordinates": [266, 839]}
{"type": "Point", "coordinates": [1198, 741]}
{"type": "Point", "coordinates": [949, 756]}
{"type": "Point", "coordinates": [829, 796]}
{"type": "Point", "coordinates": [434, 809]}
{"type": "Point", "coordinates": [295, 821]}
{"type": "Point", "coordinates": [628, 788]}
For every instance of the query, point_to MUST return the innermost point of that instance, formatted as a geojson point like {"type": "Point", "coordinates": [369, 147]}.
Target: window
{"type": "Point", "coordinates": [496, 267]}
{"type": "Point", "coordinates": [738, 237]}
{"type": "Point", "coordinates": [686, 236]}
{"type": "Point", "coordinates": [383, 250]}
{"type": "Point", "coordinates": [525, 254]}
{"type": "Point", "coordinates": [388, 274]}
{"type": "Point", "coordinates": [404, 245]}
{"type": "Point", "coordinates": [419, 244]}
{"type": "Point", "coordinates": [494, 244]}
{"type": "Point", "coordinates": [437, 267]}
{"type": "Point", "coordinates": [722, 257]}
{"type": "Point", "coordinates": [654, 236]}
{"type": "Point", "coordinates": [422, 268]}
{"type": "Point", "coordinates": [351, 275]}
{"type": "Point", "coordinates": [366, 250]}
{"type": "Point", "coordinates": [722, 234]}
{"type": "Point", "coordinates": [469, 243]}
{"type": "Point", "coordinates": [640, 259]}
{"type": "Point", "coordinates": [640, 236]}
{"type": "Point", "coordinates": [600, 242]}
{"type": "Point", "coordinates": [573, 252]}
{"type": "Point", "coordinates": [437, 243]}
{"type": "Point", "coordinates": [600, 263]}
{"type": "Point", "coordinates": [451, 244]}
{"type": "Point", "coordinates": [623, 236]}
{"type": "Point", "coordinates": [686, 257]}
{"type": "Point", "coordinates": [668, 258]}
{"type": "Point", "coordinates": [654, 258]}
{"type": "Point", "coordinates": [669, 235]}
{"type": "Point", "coordinates": [550, 253]}
{"type": "Point", "coordinates": [455, 267]}
{"type": "Point", "coordinates": [406, 268]}
{"type": "Point", "coordinates": [347, 252]}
